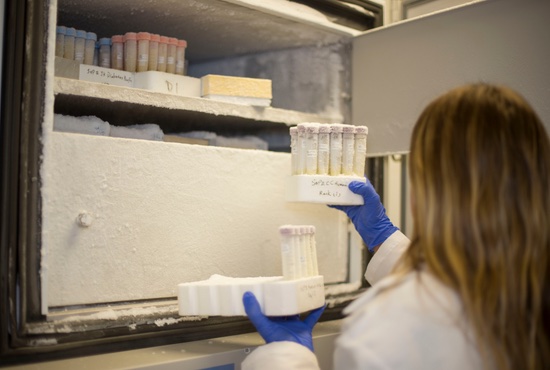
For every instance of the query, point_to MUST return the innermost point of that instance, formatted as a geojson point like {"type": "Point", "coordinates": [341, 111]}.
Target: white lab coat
{"type": "Point", "coordinates": [412, 323]}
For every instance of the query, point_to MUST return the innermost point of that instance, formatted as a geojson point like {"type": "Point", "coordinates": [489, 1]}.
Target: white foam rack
{"type": "Point", "coordinates": [222, 295]}
{"type": "Point", "coordinates": [325, 189]}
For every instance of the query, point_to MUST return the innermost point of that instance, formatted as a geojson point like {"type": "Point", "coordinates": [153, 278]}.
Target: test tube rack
{"type": "Point", "coordinates": [300, 289]}
{"type": "Point", "coordinates": [325, 158]}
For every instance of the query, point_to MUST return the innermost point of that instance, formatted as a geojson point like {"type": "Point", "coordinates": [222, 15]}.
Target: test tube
{"type": "Point", "coordinates": [96, 54]}
{"type": "Point", "coordinates": [304, 241]}
{"type": "Point", "coordinates": [293, 150]}
{"type": "Point", "coordinates": [335, 165]}
{"type": "Point", "coordinates": [163, 52]}
{"type": "Point", "coordinates": [60, 40]}
{"type": "Point", "coordinates": [117, 52]}
{"type": "Point", "coordinates": [143, 39]}
{"type": "Point", "coordinates": [180, 57]}
{"type": "Point", "coordinates": [89, 48]}
{"type": "Point", "coordinates": [68, 50]}
{"type": "Point", "coordinates": [171, 55]}
{"type": "Point", "coordinates": [313, 268]}
{"type": "Point", "coordinates": [348, 149]}
{"type": "Point", "coordinates": [360, 157]}
{"type": "Point", "coordinates": [287, 252]}
{"type": "Point", "coordinates": [105, 52]}
{"type": "Point", "coordinates": [301, 145]}
{"type": "Point", "coordinates": [312, 147]}
{"type": "Point", "coordinates": [153, 52]}
{"type": "Point", "coordinates": [324, 150]}
{"type": "Point", "coordinates": [79, 46]}
{"type": "Point", "coordinates": [130, 51]}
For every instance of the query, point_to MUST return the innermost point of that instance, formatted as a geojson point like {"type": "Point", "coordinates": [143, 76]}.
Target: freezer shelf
{"type": "Point", "coordinates": [117, 104]}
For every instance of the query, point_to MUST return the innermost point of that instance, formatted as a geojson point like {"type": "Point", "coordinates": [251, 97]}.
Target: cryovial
{"type": "Point", "coordinates": [348, 149]}
{"type": "Point", "coordinates": [105, 52]}
{"type": "Point", "coordinates": [287, 252]}
{"type": "Point", "coordinates": [68, 50]}
{"type": "Point", "coordinates": [163, 52]}
{"type": "Point", "coordinates": [89, 48]}
{"type": "Point", "coordinates": [303, 240]}
{"type": "Point", "coordinates": [153, 52]}
{"type": "Point", "coordinates": [360, 157]}
{"type": "Point", "coordinates": [60, 40]}
{"type": "Point", "coordinates": [143, 39]}
{"type": "Point", "coordinates": [335, 165]}
{"type": "Point", "coordinates": [312, 141]}
{"type": "Point", "coordinates": [301, 145]}
{"type": "Point", "coordinates": [117, 52]}
{"type": "Point", "coordinates": [130, 51]}
{"type": "Point", "coordinates": [180, 57]}
{"type": "Point", "coordinates": [171, 55]}
{"type": "Point", "coordinates": [79, 46]}
{"type": "Point", "coordinates": [324, 150]}
{"type": "Point", "coordinates": [293, 150]}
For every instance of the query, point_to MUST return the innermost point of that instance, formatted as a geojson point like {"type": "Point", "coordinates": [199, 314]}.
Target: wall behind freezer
{"type": "Point", "coordinates": [399, 69]}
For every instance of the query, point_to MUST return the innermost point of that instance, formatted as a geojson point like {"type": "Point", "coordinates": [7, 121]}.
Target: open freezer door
{"type": "Point", "coordinates": [397, 70]}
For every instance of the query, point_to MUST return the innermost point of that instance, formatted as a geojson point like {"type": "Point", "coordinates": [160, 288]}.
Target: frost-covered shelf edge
{"type": "Point", "coordinates": [109, 94]}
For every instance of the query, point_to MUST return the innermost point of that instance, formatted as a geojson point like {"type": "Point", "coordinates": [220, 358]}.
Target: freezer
{"type": "Point", "coordinates": [98, 228]}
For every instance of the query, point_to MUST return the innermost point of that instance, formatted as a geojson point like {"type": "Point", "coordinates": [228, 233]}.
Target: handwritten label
{"type": "Point", "coordinates": [312, 290]}
{"type": "Point", "coordinates": [106, 76]}
{"type": "Point", "coordinates": [329, 188]}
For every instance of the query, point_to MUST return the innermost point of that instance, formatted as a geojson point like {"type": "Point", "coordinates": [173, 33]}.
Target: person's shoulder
{"type": "Point", "coordinates": [416, 294]}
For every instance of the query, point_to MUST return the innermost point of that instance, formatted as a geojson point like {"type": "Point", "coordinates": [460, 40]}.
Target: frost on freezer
{"type": "Point", "coordinates": [325, 158]}
{"type": "Point", "coordinates": [299, 289]}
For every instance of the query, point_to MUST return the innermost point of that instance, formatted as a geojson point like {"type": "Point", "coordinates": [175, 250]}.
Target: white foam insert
{"type": "Point", "coordinates": [222, 296]}
{"type": "Point", "coordinates": [323, 189]}
{"type": "Point", "coordinates": [168, 83]}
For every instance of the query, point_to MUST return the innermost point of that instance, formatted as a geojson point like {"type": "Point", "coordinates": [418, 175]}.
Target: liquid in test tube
{"type": "Point", "coordinates": [68, 49]}
{"type": "Point", "coordinates": [348, 149]}
{"type": "Point", "coordinates": [335, 165]}
{"type": "Point", "coordinates": [79, 46]}
{"type": "Point", "coordinates": [130, 51]}
{"type": "Point", "coordinates": [89, 48]}
{"type": "Point", "coordinates": [163, 54]}
{"type": "Point", "coordinates": [360, 157]}
{"type": "Point", "coordinates": [143, 40]}
{"type": "Point", "coordinates": [312, 141]}
{"type": "Point", "coordinates": [324, 150]}
{"type": "Point", "coordinates": [60, 40]}
{"type": "Point", "coordinates": [117, 52]}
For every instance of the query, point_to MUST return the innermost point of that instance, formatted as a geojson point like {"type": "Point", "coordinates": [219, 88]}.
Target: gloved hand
{"type": "Point", "coordinates": [370, 219]}
{"type": "Point", "coordinates": [281, 329]}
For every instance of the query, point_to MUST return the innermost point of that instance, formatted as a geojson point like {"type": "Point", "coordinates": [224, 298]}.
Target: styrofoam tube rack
{"type": "Point", "coordinates": [222, 296]}
{"type": "Point", "coordinates": [323, 189]}
{"type": "Point", "coordinates": [300, 289]}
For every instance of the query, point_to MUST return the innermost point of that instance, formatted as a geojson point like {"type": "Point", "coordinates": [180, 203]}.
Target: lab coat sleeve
{"type": "Point", "coordinates": [386, 257]}
{"type": "Point", "coordinates": [281, 355]}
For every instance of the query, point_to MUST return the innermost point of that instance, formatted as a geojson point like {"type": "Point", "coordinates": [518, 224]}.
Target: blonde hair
{"type": "Point", "coordinates": [480, 176]}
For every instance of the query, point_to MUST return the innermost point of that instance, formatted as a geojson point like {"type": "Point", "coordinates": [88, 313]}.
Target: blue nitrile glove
{"type": "Point", "coordinates": [281, 329]}
{"type": "Point", "coordinates": [370, 219]}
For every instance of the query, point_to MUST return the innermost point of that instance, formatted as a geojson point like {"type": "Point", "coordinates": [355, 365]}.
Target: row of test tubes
{"type": "Point", "coordinates": [299, 251]}
{"type": "Point", "coordinates": [131, 52]}
{"type": "Point", "coordinates": [328, 149]}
